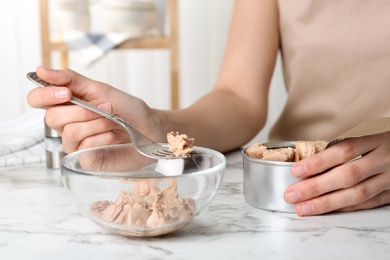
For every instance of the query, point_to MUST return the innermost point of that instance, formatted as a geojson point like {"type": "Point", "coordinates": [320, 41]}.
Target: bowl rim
{"type": "Point", "coordinates": [219, 167]}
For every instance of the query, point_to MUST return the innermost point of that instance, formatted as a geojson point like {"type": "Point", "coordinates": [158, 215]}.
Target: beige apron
{"type": "Point", "coordinates": [336, 64]}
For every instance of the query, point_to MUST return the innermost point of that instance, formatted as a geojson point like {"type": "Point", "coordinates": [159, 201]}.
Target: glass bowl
{"type": "Point", "coordinates": [129, 194]}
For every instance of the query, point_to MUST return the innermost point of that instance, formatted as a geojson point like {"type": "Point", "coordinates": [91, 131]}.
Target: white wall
{"type": "Point", "coordinates": [19, 52]}
{"type": "Point", "coordinates": [203, 31]}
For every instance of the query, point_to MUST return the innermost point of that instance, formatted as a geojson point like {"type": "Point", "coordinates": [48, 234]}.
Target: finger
{"type": "Point", "coordinates": [335, 155]}
{"type": "Point", "coordinates": [381, 199]}
{"type": "Point", "coordinates": [341, 177]}
{"type": "Point", "coordinates": [69, 78]}
{"type": "Point", "coordinates": [357, 194]}
{"type": "Point", "coordinates": [101, 139]}
{"type": "Point", "coordinates": [49, 96]}
{"type": "Point", "coordinates": [100, 131]}
{"type": "Point", "coordinates": [59, 116]}
{"type": "Point", "coordinates": [58, 77]}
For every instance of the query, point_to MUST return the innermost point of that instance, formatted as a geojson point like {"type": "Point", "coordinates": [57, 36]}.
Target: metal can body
{"type": "Point", "coordinates": [265, 181]}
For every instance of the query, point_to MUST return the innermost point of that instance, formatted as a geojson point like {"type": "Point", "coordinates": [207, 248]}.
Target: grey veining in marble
{"type": "Point", "coordinates": [39, 221]}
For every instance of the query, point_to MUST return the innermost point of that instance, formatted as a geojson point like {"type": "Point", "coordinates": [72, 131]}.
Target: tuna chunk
{"type": "Point", "coordinates": [256, 150]}
{"type": "Point", "coordinates": [180, 144]}
{"type": "Point", "coordinates": [302, 150]}
{"type": "Point", "coordinates": [280, 155]}
{"type": "Point", "coordinates": [308, 148]}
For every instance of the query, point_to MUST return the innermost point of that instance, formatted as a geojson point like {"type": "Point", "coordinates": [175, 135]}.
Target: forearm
{"type": "Point", "coordinates": [220, 120]}
{"type": "Point", "coordinates": [234, 112]}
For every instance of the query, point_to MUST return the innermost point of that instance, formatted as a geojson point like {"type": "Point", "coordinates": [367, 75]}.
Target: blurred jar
{"type": "Point", "coordinates": [129, 16]}
{"type": "Point", "coordinates": [71, 15]}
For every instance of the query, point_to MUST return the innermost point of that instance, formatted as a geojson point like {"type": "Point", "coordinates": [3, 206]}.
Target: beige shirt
{"type": "Point", "coordinates": [336, 64]}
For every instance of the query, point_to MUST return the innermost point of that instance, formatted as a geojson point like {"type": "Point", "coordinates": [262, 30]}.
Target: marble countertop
{"type": "Point", "coordinates": [39, 221]}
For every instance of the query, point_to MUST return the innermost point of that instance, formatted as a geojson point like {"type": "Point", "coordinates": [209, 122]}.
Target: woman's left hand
{"type": "Point", "coordinates": [338, 184]}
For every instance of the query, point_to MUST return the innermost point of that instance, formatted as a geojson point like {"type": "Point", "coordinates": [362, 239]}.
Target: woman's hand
{"type": "Point", "coordinates": [363, 183]}
{"type": "Point", "coordinates": [81, 128]}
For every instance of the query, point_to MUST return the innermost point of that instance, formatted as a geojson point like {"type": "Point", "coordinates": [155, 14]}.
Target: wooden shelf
{"type": "Point", "coordinates": [143, 43]}
{"type": "Point", "coordinates": [169, 42]}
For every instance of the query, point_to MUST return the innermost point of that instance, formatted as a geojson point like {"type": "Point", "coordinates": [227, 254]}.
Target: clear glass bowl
{"type": "Point", "coordinates": [127, 193]}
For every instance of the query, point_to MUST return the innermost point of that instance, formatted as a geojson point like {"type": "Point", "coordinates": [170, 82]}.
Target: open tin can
{"type": "Point", "coordinates": [265, 181]}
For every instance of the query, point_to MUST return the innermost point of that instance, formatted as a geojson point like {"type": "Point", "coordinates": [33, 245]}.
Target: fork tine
{"type": "Point", "coordinates": [162, 153]}
{"type": "Point", "coordinates": [166, 154]}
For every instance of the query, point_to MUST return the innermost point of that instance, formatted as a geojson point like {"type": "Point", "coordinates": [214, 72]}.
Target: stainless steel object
{"type": "Point", "coordinates": [266, 181]}
{"type": "Point", "coordinates": [53, 148]}
{"type": "Point", "coordinates": [142, 143]}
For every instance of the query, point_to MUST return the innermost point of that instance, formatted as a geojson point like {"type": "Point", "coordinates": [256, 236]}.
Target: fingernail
{"type": "Point", "coordinates": [304, 209]}
{"type": "Point", "coordinates": [299, 170]}
{"type": "Point", "coordinates": [105, 106]}
{"type": "Point", "coordinates": [293, 197]}
{"type": "Point", "coordinates": [61, 94]}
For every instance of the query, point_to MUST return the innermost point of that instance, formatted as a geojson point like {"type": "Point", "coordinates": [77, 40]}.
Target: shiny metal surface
{"type": "Point", "coordinates": [53, 159]}
{"type": "Point", "coordinates": [266, 181]}
{"type": "Point", "coordinates": [53, 147]}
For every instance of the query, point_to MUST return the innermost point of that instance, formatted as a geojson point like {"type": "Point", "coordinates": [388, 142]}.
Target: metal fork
{"type": "Point", "coordinates": [142, 143]}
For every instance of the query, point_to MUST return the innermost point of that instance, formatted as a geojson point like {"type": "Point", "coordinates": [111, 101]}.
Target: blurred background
{"type": "Point", "coordinates": [202, 29]}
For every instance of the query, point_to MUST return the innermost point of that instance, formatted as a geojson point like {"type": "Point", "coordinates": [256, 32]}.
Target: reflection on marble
{"type": "Point", "coordinates": [39, 221]}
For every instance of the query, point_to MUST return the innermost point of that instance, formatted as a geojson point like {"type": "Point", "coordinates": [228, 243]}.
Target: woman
{"type": "Point", "coordinates": [335, 58]}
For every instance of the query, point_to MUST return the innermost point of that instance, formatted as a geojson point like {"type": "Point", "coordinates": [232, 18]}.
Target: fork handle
{"type": "Point", "coordinates": [97, 110]}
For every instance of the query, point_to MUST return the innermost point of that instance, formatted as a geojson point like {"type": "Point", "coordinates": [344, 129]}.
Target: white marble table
{"type": "Point", "coordinates": [39, 221]}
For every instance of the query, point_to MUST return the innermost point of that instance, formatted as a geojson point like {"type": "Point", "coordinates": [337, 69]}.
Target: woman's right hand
{"type": "Point", "coordinates": [81, 128]}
